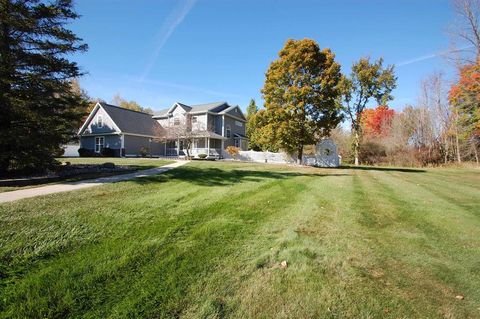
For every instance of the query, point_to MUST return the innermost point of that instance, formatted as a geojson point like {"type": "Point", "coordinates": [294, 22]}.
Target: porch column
{"type": "Point", "coordinates": [221, 150]}
{"type": "Point", "coordinates": [178, 147]}
{"type": "Point", "coordinates": [208, 146]}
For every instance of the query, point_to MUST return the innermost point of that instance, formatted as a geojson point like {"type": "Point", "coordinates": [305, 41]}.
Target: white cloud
{"type": "Point", "coordinates": [174, 19]}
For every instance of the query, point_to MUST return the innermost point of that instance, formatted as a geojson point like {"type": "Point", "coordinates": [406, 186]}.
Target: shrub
{"type": "Point", "coordinates": [84, 152]}
{"type": "Point", "coordinates": [108, 152]}
{"type": "Point", "coordinates": [233, 151]}
{"type": "Point", "coordinates": [372, 153]}
{"type": "Point", "coordinates": [108, 165]}
{"type": "Point", "coordinates": [144, 151]}
{"type": "Point", "coordinates": [202, 156]}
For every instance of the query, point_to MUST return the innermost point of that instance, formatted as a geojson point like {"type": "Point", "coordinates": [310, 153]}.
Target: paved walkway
{"type": "Point", "coordinates": [66, 187]}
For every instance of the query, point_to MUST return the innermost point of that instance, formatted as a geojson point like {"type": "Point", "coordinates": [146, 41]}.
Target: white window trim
{"type": "Point", "coordinates": [228, 131]}
{"type": "Point", "coordinates": [102, 144]}
{"type": "Point", "coordinates": [237, 143]}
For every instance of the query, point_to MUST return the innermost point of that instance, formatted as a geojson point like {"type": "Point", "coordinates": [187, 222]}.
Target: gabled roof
{"type": "Point", "coordinates": [128, 121]}
{"type": "Point", "coordinates": [240, 136]}
{"type": "Point", "coordinates": [214, 107]}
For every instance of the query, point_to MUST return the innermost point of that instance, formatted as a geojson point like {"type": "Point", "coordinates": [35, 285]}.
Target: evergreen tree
{"type": "Point", "coordinates": [38, 105]}
{"type": "Point", "coordinates": [252, 110]}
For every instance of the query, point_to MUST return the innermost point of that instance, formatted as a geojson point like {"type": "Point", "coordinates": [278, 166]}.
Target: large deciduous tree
{"type": "Point", "coordinates": [368, 80]}
{"type": "Point", "coordinates": [301, 94]}
{"type": "Point", "coordinates": [38, 105]}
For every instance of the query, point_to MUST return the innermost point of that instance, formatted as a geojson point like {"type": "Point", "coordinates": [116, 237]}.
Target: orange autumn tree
{"type": "Point", "coordinates": [464, 96]}
{"type": "Point", "coordinates": [377, 122]}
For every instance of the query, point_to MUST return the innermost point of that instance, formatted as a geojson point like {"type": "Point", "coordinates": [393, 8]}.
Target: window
{"type": "Point", "coordinates": [237, 143]}
{"type": "Point", "coordinates": [100, 121]}
{"type": "Point", "coordinates": [194, 119]}
{"type": "Point", "coordinates": [238, 123]}
{"type": "Point", "coordinates": [176, 121]}
{"type": "Point", "coordinates": [228, 131]}
{"type": "Point", "coordinates": [99, 142]}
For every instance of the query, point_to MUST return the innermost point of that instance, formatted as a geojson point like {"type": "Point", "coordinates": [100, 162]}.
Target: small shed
{"type": "Point", "coordinates": [326, 155]}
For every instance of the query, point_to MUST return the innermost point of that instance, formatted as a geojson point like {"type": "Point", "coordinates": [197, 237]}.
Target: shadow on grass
{"type": "Point", "coordinates": [385, 169]}
{"type": "Point", "coordinates": [218, 177]}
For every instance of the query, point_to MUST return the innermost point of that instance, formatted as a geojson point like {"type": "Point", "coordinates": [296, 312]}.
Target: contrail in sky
{"type": "Point", "coordinates": [174, 19]}
{"type": "Point", "coordinates": [431, 56]}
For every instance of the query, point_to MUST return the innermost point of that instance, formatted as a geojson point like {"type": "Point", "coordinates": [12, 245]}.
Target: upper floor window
{"type": "Point", "coordinates": [194, 119]}
{"type": "Point", "coordinates": [238, 123]}
{"type": "Point", "coordinates": [100, 121]}
{"type": "Point", "coordinates": [228, 132]}
{"type": "Point", "coordinates": [176, 121]}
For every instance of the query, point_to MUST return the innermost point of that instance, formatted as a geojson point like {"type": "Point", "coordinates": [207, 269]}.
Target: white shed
{"type": "Point", "coordinates": [326, 155]}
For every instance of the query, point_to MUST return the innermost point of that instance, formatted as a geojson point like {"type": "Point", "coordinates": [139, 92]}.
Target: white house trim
{"type": "Point", "coordinates": [142, 135]}
{"type": "Point", "coordinates": [97, 134]}
{"type": "Point", "coordinates": [92, 114]}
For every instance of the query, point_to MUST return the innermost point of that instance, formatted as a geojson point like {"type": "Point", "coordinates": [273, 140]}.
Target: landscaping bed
{"type": "Point", "coordinates": [76, 169]}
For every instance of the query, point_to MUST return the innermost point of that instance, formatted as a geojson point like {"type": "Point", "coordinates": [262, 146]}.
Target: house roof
{"type": "Point", "coordinates": [129, 121]}
{"type": "Point", "coordinates": [240, 136]}
{"type": "Point", "coordinates": [197, 108]}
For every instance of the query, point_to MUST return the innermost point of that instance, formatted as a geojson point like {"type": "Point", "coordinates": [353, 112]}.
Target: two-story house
{"type": "Point", "coordinates": [215, 126]}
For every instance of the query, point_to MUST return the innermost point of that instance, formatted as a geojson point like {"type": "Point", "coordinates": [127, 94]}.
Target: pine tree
{"type": "Point", "coordinates": [38, 105]}
{"type": "Point", "coordinates": [252, 110]}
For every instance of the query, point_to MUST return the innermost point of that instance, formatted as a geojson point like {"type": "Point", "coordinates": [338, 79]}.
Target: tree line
{"type": "Point", "coordinates": [307, 97]}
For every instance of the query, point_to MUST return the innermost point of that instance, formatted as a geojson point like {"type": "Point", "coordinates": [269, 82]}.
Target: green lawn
{"type": "Point", "coordinates": [133, 163]}
{"type": "Point", "coordinates": [206, 241]}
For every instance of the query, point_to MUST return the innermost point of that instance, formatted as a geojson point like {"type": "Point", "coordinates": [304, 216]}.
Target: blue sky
{"type": "Point", "coordinates": [159, 52]}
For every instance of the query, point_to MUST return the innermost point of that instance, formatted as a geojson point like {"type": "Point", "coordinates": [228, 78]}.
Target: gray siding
{"type": "Point", "coordinates": [218, 124]}
{"type": "Point", "coordinates": [133, 144]}
{"type": "Point", "coordinates": [234, 129]}
{"type": "Point", "coordinates": [112, 141]}
{"type": "Point", "coordinates": [108, 126]}
{"type": "Point", "coordinates": [236, 112]}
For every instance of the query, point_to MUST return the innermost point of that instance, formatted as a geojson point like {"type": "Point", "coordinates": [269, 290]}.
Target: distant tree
{"type": "Point", "coordinates": [252, 110]}
{"type": "Point", "coordinates": [300, 93]}
{"type": "Point", "coordinates": [37, 103]}
{"type": "Point", "coordinates": [466, 29]}
{"type": "Point", "coordinates": [85, 106]}
{"type": "Point", "coordinates": [377, 121]}
{"type": "Point", "coordinates": [131, 105]}
{"type": "Point", "coordinates": [367, 81]}
{"type": "Point", "coordinates": [464, 97]}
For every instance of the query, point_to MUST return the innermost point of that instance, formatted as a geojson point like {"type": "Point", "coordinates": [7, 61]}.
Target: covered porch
{"type": "Point", "coordinates": [211, 145]}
